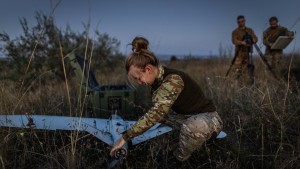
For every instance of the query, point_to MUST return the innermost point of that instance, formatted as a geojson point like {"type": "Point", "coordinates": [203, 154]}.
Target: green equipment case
{"type": "Point", "coordinates": [104, 100]}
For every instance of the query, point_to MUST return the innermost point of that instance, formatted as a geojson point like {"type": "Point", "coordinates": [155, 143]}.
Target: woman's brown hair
{"type": "Point", "coordinates": [140, 55]}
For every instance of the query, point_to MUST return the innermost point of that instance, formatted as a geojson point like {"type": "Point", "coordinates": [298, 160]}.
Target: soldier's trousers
{"type": "Point", "coordinates": [240, 69]}
{"type": "Point", "coordinates": [194, 131]}
{"type": "Point", "coordinates": [276, 62]}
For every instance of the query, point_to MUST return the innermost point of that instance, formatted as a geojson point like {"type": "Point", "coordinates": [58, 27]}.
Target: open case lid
{"type": "Point", "coordinates": [282, 42]}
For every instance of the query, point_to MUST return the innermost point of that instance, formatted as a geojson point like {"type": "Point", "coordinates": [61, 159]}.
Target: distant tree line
{"type": "Point", "coordinates": [40, 48]}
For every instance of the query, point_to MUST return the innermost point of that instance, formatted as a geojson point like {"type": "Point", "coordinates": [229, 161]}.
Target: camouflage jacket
{"type": "Point", "coordinates": [238, 34]}
{"type": "Point", "coordinates": [162, 98]}
{"type": "Point", "coordinates": [271, 34]}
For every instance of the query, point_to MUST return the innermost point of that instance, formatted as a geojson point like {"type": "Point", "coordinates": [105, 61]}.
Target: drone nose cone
{"type": "Point", "coordinates": [120, 154]}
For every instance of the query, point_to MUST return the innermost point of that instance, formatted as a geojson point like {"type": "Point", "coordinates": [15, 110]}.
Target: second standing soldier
{"type": "Point", "coordinates": [270, 35]}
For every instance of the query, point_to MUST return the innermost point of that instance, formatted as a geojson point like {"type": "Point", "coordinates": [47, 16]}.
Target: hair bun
{"type": "Point", "coordinates": [139, 43]}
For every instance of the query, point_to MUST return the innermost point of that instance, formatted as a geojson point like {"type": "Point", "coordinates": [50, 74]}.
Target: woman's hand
{"type": "Point", "coordinates": [119, 144]}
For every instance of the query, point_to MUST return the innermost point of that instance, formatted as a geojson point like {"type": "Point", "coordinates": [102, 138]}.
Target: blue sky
{"type": "Point", "coordinates": [196, 27]}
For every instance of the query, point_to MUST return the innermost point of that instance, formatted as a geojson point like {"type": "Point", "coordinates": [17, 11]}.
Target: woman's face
{"type": "Point", "coordinates": [143, 76]}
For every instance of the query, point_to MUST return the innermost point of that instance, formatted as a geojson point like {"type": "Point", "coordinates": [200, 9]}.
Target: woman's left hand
{"type": "Point", "coordinates": [119, 144]}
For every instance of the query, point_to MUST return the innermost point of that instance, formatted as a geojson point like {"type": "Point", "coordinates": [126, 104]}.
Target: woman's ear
{"type": "Point", "coordinates": [149, 68]}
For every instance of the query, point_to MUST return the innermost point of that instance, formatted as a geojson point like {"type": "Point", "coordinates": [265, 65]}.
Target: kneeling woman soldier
{"type": "Point", "coordinates": [171, 89]}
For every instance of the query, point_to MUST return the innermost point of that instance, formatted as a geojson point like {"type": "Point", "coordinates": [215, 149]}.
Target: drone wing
{"type": "Point", "coordinates": [107, 130]}
{"type": "Point", "coordinates": [96, 127]}
{"type": "Point", "coordinates": [154, 131]}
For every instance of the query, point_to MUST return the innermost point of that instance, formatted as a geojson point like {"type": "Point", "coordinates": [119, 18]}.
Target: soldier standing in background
{"type": "Point", "coordinates": [274, 56]}
{"type": "Point", "coordinates": [242, 37]}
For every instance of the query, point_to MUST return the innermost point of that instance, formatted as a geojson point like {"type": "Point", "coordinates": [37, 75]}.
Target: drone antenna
{"type": "Point", "coordinates": [295, 23]}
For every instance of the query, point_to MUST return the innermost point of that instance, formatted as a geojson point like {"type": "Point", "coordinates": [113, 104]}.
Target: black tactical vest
{"type": "Point", "coordinates": [191, 100]}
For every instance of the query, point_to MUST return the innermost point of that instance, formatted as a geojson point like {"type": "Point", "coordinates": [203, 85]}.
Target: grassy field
{"type": "Point", "coordinates": [262, 123]}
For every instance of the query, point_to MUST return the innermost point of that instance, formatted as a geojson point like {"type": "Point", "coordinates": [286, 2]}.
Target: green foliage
{"type": "Point", "coordinates": [40, 48]}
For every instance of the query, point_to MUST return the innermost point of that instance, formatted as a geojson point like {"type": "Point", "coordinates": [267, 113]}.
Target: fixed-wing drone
{"type": "Point", "coordinates": [107, 130]}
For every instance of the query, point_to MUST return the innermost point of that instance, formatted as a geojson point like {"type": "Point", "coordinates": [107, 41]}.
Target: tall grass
{"type": "Point", "coordinates": [262, 122]}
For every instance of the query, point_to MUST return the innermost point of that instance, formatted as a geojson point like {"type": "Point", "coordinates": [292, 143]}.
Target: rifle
{"type": "Point", "coordinates": [263, 58]}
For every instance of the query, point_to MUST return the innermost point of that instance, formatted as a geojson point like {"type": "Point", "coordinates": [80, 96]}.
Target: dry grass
{"type": "Point", "coordinates": [262, 123]}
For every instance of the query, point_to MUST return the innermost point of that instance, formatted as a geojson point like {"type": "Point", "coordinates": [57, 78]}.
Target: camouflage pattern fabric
{"type": "Point", "coordinates": [195, 131]}
{"type": "Point", "coordinates": [237, 37]}
{"type": "Point", "coordinates": [274, 57]}
{"type": "Point", "coordinates": [240, 66]}
{"type": "Point", "coordinates": [271, 34]}
{"type": "Point", "coordinates": [163, 99]}
{"type": "Point", "coordinates": [275, 60]}
{"type": "Point", "coordinates": [240, 69]}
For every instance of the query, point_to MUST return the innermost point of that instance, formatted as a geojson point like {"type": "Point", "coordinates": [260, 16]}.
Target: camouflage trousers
{"type": "Point", "coordinates": [194, 131]}
{"type": "Point", "coordinates": [276, 62]}
{"type": "Point", "coordinates": [240, 69]}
